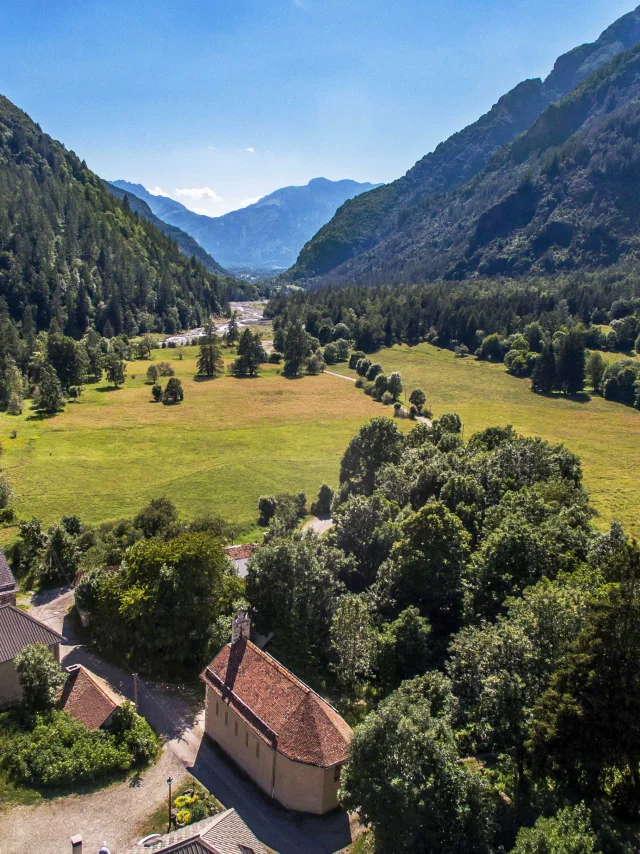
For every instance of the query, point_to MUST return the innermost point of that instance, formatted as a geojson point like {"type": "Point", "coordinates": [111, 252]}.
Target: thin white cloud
{"type": "Point", "coordinates": [198, 193]}
{"type": "Point", "coordinates": [246, 202]}
{"type": "Point", "coordinates": [157, 191]}
{"type": "Point", "coordinates": [251, 150]}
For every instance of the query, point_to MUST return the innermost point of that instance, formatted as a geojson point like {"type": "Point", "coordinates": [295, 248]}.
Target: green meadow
{"type": "Point", "coordinates": [229, 442]}
{"type": "Point", "coordinates": [232, 441]}
{"type": "Point", "coordinates": [605, 435]}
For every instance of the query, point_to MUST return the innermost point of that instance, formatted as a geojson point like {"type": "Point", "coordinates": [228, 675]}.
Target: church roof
{"type": "Point", "coordinates": [281, 709]}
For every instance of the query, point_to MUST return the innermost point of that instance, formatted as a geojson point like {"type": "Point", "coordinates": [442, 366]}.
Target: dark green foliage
{"type": "Point", "coordinates": [49, 396]}
{"type": "Point", "coordinates": [405, 777]}
{"type": "Point", "coordinates": [54, 749]}
{"type": "Point", "coordinates": [210, 362]}
{"type": "Point", "coordinates": [544, 371]}
{"type": "Point", "coordinates": [40, 677]}
{"type": "Point", "coordinates": [156, 391]}
{"type": "Point", "coordinates": [250, 355]}
{"type": "Point", "coordinates": [296, 348]}
{"type": "Point", "coordinates": [570, 362]}
{"type": "Point", "coordinates": [404, 649]}
{"type": "Point", "coordinates": [173, 393]}
{"type": "Point", "coordinates": [114, 369]}
{"type": "Point", "coordinates": [74, 254]}
{"type": "Point", "coordinates": [622, 382]}
{"type": "Point", "coordinates": [158, 519]}
{"type": "Point", "coordinates": [377, 443]}
{"type": "Point", "coordinates": [322, 505]}
{"type": "Point", "coordinates": [170, 585]}
{"type": "Point", "coordinates": [570, 831]}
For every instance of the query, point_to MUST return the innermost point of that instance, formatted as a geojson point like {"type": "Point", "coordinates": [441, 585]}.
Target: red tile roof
{"type": "Point", "coordinates": [240, 552]}
{"type": "Point", "coordinates": [280, 708]}
{"type": "Point", "coordinates": [88, 698]}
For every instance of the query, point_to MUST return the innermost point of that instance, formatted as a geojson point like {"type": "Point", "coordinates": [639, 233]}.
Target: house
{"type": "Point", "coordinates": [225, 833]}
{"type": "Point", "coordinates": [89, 699]}
{"type": "Point", "coordinates": [240, 556]}
{"type": "Point", "coordinates": [18, 630]}
{"type": "Point", "coordinates": [289, 740]}
{"type": "Point", "coordinates": [8, 586]}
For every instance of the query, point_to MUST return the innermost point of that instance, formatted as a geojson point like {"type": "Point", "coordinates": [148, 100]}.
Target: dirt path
{"type": "Point", "coordinates": [114, 814]}
{"type": "Point", "coordinates": [340, 376]}
{"type": "Point", "coordinates": [318, 524]}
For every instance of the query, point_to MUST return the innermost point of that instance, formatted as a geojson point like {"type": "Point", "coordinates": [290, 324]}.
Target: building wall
{"type": "Point", "coordinates": [10, 690]}
{"type": "Point", "coordinates": [305, 788]}
{"type": "Point", "coordinates": [8, 598]}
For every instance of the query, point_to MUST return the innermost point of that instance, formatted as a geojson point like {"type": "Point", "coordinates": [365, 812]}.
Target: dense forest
{"type": "Point", "coordinates": [394, 215]}
{"type": "Point", "coordinates": [70, 251]}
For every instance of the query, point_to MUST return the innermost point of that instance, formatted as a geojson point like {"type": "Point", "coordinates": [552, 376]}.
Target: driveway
{"type": "Point", "coordinates": [114, 814]}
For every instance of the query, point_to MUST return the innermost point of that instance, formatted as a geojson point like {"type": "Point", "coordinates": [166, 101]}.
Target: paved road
{"type": "Point", "coordinates": [182, 727]}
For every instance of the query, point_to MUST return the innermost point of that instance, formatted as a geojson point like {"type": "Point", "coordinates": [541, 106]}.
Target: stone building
{"type": "Point", "coordinates": [8, 586]}
{"type": "Point", "coordinates": [289, 740]}
{"type": "Point", "coordinates": [18, 630]}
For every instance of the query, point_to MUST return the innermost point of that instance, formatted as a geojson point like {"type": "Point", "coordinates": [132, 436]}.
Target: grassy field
{"type": "Point", "coordinates": [229, 442]}
{"type": "Point", "coordinates": [605, 435]}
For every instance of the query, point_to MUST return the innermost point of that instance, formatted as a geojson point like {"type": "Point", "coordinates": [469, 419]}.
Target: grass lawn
{"type": "Point", "coordinates": [227, 444]}
{"type": "Point", "coordinates": [605, 435]}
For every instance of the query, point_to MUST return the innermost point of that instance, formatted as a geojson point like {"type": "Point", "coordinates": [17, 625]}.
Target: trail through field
{"type": "Point", "coordinates": [340, 376]}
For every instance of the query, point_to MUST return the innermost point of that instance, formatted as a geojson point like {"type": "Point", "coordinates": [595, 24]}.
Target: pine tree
{"type": "Point", "coordinates": [296, 348]}
{"type": "Point", "coordinates": [210, 363]}
{"type": "Point", "coordinates": [50, 397]}
{"type": "Point", "coordinates": [233, 332]}
{"type": "Point", "coordinates": [544, 372]}
{"type": "Point", "coordinates": [570, 362]}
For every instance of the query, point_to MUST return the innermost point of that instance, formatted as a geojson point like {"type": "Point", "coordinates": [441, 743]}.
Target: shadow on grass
{"type": "Point", "coordinates": [41, 416]}
{"type": "Point", "coordinates": [581, 397]}
{"type": "Point", "coordinates": [104, 388]}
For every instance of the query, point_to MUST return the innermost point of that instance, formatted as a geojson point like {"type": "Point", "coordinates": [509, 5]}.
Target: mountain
{"type": "Point", "coordinates": [377, 216]}
{"type": "Point", "coordinates": [71, 252]}
{"type": "Point", "coordinates": [268, 234]}
{"type": "Point", "coordinates": [186, 244]}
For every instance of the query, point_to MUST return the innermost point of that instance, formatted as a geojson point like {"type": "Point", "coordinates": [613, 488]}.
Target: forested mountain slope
{"type": "Point", "coordinates": [187, 245]}
{"type": "Point", "coordinates": [562, 196]}
{"type": "Point", "coordinates": [269, 233]}
{"type": "Point", "coordinates": [71, 251]}
{"type": "Point", "coordinates": [369, 219]}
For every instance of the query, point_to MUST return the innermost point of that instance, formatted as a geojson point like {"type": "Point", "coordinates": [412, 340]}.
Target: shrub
{"type": "Point", "coordinates": [413, 411]}
{"type": "Point", "coordinates": [315, 365]}
{"type": "Point", "coordinates": [359, 383]}
{"type": "Point", "coordinates": [134, 733]}
{"type": "Point", "coordinates": [173, 393]}
{"type": "Point", "coordinates": [183, 817]}
{"type": "Point", "coordinates": [153, 373]}
{"type": "Point", "coordinates": [57, 750]}
{"type": "Point", "coordinates": [354, 358]}
{"type": "Point", "coordinates": [322, 505]}
{"type": "Point", "coordinates": [40, 677]}
{"type": "Point", "coordinates": [199, 810]}
{"type": "Point", "coordinates": [267, 506]}
{"type": "Point", "coordinates": [165, 369]}
{"type": "Point", "coordinates": [373, 371]}
{"type": "Point", "coordinates": [395, 385]}
{"type": "Point", "coordinates": [418, 398]}
{"type": "Point", "coordinates": [331, 354]}
{"type": "Point", "coordinates": [156, 391]}
{"type": "Point", "coordinates": [274, 357]}
{"type": "Point", "coordinates": [387, 398]}
{"type": "Point", "coordinates": [362, 367]}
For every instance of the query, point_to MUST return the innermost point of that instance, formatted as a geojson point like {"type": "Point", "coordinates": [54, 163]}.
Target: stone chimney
{"type": "Point", "coordinates": [241, 626]}
{"type": "Point", "coordinates": [76, 844]}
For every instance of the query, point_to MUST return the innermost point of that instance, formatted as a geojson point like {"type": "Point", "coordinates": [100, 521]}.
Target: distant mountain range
{"type": "Point", "coordinates": [268, 234]}
{"type": "Point", "coordinates": [187, 245]}
{"type": "Point", "coordinates": [435, 219]}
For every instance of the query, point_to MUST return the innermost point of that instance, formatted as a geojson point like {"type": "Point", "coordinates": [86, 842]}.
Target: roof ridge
{"type": "Point", "coordinates": [280, 667]}
{"type": "Point", "coordinates": [96, 680]}
{"type": "Point", "coordinates": [32, 619]}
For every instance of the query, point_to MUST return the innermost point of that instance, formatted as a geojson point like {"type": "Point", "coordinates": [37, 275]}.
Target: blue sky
{"type": "Point", "coordinates": [222, 101]}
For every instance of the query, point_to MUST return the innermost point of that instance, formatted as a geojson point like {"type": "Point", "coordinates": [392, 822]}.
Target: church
{"type": "Point", "coordinates": [289, 740]}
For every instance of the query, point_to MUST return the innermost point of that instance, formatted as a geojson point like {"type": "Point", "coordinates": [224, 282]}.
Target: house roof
{"type": "Point", "coordinates": [88, 698]}
{"type": "Point", "coordinates": [225, 833]}
{"type": "Point", "coordinates": [18, 630]}
{"type": "Point", "coordinates": [281, 709]}
{"type": "Point", "coordinates": [240, 552]}
{"type": "Point", "coordinates": [7, 581]}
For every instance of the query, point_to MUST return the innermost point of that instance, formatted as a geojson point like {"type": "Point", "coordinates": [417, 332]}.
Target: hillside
{"type": "Point", "coordinates": [186, 244]}
{"type": "Point", "coordinates": [381, 214]}
{"type": "Point", "coordinates": [268, 234]}
{"type": "Point", "coordinates": [562, 196]}
{"type": "Point", "coordinates": [71, 251]}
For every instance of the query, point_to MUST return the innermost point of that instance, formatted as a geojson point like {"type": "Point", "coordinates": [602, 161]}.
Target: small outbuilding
{"type": "Point", "coordinates": [287, 738]}
{"type": "Point", "coordinates": [89, 699]}
{"type": "Point", "coordinates": [18, 630]}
